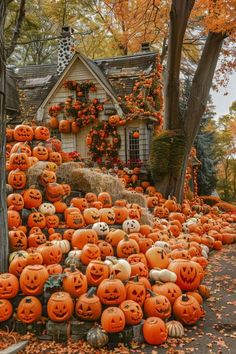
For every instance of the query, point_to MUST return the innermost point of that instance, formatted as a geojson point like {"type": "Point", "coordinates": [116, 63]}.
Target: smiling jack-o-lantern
{"type": "Point", "coordinates": [132, 311]}
{"type": "Point", "coordinates": [6, 310]}
{"type": "Point", "coordinates": [157, 306]}
{"type": "Point", "coordinates": [140, 269]}
{"type": "Point", "coordinates": [126, 247]}
{"type": "Point", "coordinates": [91, 197]}
{"type": "Point", "coordinates": [88, 306]}
{"type": "Point", "coordinates": [33, 278]}
{"type": "Point", "coordinates": [75, 282]}
{"type": "Point", "coordinates": [96, 272]}
{"type": "Point", "coordinates": [40, 152]}
{"type": "Point", "coordinates": [37, 219]}
{"type": "Point", "coordinates": [55, 157]}
{"type": "Point", "coordinates": [60, 306]}
{"type": "Point", "coordinates": [47, 209]}
{"type": "Point", "coordinates": [187, 310]}
{"type": "Point", "coordinates": [171, 290]}
{"type": "Point", "coordinates": [23, 132]}
{"type": "Point", "coordinates": [32, 198]}
{"type": "Point", "coordinates": [91, 216]}
{"type": "Point", "coordinates": [121, 214]}
{"type": "Point", "coordinates": [80, 203]}
{"type": "Point", "coordinates": [107, 215]}
{"type": "Point", "coordinates": [111, 291]}
{"type": "Point", "coordinates": [89, 252]}
{"type": "Point", "coordinates": [36, 239]}
{"type": "Point", "coordinates": [17, 240]}
{"type": "Point", "coordinates": [188, 273]}
{"type": "Point", "coordinates": [9, 286]}
{"type": "Point", "coordinates": [113, 320]}
{"type": "Point", "coordinates": [19, 160]}
{"type": "Point", "coordinates": [101, 228]}
{"type": "Point", "coordinates": [154, 331]}
{"type": "Point", "coordinates": [17, 179]}
{"type": "Point", "coordinates": [16, 200]}
{"type": "Point", "coordinates": [29, 309]}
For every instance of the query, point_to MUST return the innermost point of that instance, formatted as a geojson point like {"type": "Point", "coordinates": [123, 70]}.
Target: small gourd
{"type": "Point", "coordinates": [97, 337]}
{"type": "Point", "coordinates": [163, 275]}
{"type": "Point", "coordinates": [175, 329]}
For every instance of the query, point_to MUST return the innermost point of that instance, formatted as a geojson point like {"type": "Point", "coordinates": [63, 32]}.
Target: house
{"type": "Point", "coordinates": [115, 81]}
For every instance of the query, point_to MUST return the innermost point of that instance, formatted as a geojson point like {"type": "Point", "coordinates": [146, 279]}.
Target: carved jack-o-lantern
{"type": "Point", "coordinates": [91, 197]}
{"type": "Point", "coordinates": [13, 219]}
{"type": "Point", "coordinates": [157, 306]}
{"type": "Point", "coordinates": [33, 278]}
{"type": "Point", "coordinates": [23, 132]}
{"type": "Point", "coordinates": [6, 310]}
{"type": "Point", "coordinates": [135, 290]}
{"type": "Point", "coordinates": [9, 286]}
{"type": "Point", "coordinates": [17, 240]}
{"type": "Point", "coordinates": [89, 252]}
{"type": "Point", "coordinates": [80, 203]}
{"type": "Point", "coordinates": [47, 176]}
{"type": "Point", "coordinates": [171, 290]}
{"type": "Point", "coordinates": [29, 309]}
{"type": "Point", "coordinates": [140, 269]}
{"type": "Point", "coordinates": [107, 215]}
{"type": "Point", "coordinates": [32, 198]}
{"type": "Point", "coordinates": [37, 219]}
{"type": "Point", "coordinates": [130, 226]}
{"type": "Point", "coordinates": [41, 133]}
{"type": "Point", "coordinates": [186, 309]}
{"type": "Point", "coordinates": [157, 257]}
{"type": "Point", "coordinates": [17, 179]}
{"type": "Point", "coordinates": [51, 253]}
{"type": "Point", "coordinates": [113, 320]}
{"type": "Point", "coordinates": [75, 220]}
{"type": "Point", "coordinates": [40, 152]}
{"type": "Point", "coordinates": [188, 273]}
{"type": "Point", "coordinates": [121, 214]}
{"type": "Point", "coordinates": [19, 160]}
{"type": "Point", "coordinates": [106, 249]}
{"type": "Point", "coordinates": [75, 283]}
{"type": "Point", "coordinates": [132, 311]}
{"type": "Point", "coordinates": [105, 199]}
{"type": "Point", "coordinates": [47, 209]}
{"type": "Point", "coordinates": [55, 157]}
{"type": "Point", "coordinates": [60, 306]}
{"type": "Point", "coordinates": [54, 192]}
{"type": "Point", "coordinates": [16, 200]}
{"type": "Point", "coordinates": [36, 239]}
{"type": "Point", "coordinates": [82, 236]}
{"type": "Point", "coordinates": [52, 221]}
{"type": "Point", "coordinates": [126, 247]}
{"type": "Point", "coordinates": [111, 291]}
{"type": "Point", "coordinates": [96, 272]}
{"type": "Point", "coordinates": [91, 216]}
{"type": "Point", "coordinates": [88, 306]}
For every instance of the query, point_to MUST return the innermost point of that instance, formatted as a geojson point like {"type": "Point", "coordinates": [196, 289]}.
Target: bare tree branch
{"type": "Point", "coordinates": [17, 30]}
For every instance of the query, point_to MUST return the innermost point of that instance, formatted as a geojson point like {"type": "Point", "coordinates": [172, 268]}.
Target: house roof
{"type": "Point", "coordinates": [116, 74]}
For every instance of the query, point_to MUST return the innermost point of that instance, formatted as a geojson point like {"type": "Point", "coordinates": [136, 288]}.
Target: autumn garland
{"type": "Point", "coordinates": [100, 145]}
{"type": "Point", "coordinates": [81, 109]}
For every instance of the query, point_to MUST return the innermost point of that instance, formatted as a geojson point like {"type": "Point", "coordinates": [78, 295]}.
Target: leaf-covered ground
{"type": "Point", "coordinates": [214, 335]}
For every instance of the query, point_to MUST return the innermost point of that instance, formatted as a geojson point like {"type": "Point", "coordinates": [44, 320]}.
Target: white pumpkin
{"type": "Point", "coordinates": [119, 268]}
{"type": "Point", "coordinates": [204, 254]}
{"type": "Point", "coordinates": [205, 248]}
{"type": "Point", "coordinates": [175, 329]}
{"type": "Point", "coordinates": [164, 245]}
{"type": "Point", "coordinates": [47, 209]}
{"type": "Point", "coordinates": [75, 253]}
{"type": "Point", "coordinates": [63, 244]}
{"type": "Point", "coordinates": [163, 275]}
{"type": "Point", "coordinates": [131, 225]}
{"type": "Point", "coordinates": [101, 228]}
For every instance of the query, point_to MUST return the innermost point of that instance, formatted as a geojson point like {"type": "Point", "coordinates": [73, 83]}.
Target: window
{"type": "Point", "coordinates": [134, 153]}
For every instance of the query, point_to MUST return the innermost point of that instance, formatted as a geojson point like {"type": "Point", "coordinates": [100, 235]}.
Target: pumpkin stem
{"type": "Point", "coordinates": [185, 298]}
{"type": "Point", "coordinates": [91, 292]}
{"type": "Point", "coordinates": [151, 292]}
{"type": "Point", "coordinates": [72, 268]}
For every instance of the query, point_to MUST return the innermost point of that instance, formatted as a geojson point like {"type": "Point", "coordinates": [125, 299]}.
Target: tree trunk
{"type": "Point", "coordinates": [179, 15]}
{"type": "Point", "coordinates": [173, 184]}
{"type": "Point", "coordinates": [4, 248]}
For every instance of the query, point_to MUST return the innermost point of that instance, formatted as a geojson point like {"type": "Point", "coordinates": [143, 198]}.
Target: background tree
{"type": "Point", "coordinates": [174, 144]}
{"type": "Point", "coordinates": [226, 153]}
{"type": "Point", "coordinates": [3, 207]}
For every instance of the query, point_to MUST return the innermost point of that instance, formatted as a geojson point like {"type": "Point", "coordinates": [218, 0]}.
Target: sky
{"type": "Point", "coordinates": [222, 102]}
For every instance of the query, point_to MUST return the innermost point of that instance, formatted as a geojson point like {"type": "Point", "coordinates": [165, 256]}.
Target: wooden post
{"type": "Point", "coordinates": [4, 249]}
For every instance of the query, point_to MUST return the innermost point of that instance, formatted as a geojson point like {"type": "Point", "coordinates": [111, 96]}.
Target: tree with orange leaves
{"type": "Point", "coordinates": [216, 22]}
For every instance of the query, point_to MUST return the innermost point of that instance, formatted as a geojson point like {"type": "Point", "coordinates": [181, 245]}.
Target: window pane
{"type": "Point", "coordinates": [133, 147]}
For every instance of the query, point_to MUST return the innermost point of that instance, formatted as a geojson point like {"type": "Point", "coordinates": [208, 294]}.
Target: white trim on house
{"type": "Point", "coordinates": [40, 111]}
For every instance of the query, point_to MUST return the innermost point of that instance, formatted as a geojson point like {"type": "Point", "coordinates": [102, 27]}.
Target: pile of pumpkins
{"type": "Point", "coordinates": [113, 269]}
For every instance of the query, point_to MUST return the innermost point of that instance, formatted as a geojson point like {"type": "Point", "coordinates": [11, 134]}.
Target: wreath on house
{"type": "Point", "coordinates": [104, 141]}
